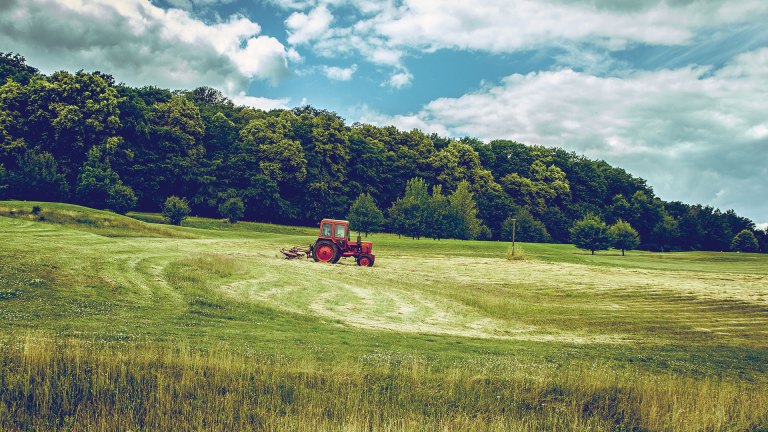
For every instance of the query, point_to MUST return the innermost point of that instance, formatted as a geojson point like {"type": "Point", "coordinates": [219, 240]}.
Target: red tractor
{"type": "Point", "coordinates": [334, 243]}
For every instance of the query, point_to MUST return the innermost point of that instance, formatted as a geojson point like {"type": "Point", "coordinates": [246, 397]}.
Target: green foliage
{"type": "Point", "coordinates": [364, 216]}
{"type": "Point", "coordinates": [14, 67]}
{"type": "Point", "coordinates": [409, 215]}
{"type": "Point", "coordinates": [175, 210]}
{"type": "Point", "coordinates": [462, 200]}
{"type": "Point", "coordinates": [232, 209]}
{"type": "Point", "coordinates": [96, 179]}
{"type": "Point", "coordinates": [267, 141]}
{"type": "Point", "coordinates": [590, 233]}
{"type": "Point", "coordinates": [121, 199]}
{"type": "Point", "coordinates": [38, 178]}
{"type": "Point", "coordinates": [623, 236]}
{"type": "Point", "coordinates": [527, 229]}
{"type": "Point", "coordinates": [3, 181]}
{"type": "Point", "coordinates": [744, 241]}
{"type": "Point", "coordinates": [83, 133]}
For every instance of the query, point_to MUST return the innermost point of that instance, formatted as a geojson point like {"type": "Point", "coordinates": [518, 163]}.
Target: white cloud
{"type": "Point", "coordinates": [694, 133]}
{"type": "Point", "coordinates": [260, 102]}
{"type": "Point", "coordinates": [383, 32]}
{"type": "Point", "coordinates": [339, 74]}
{"type": "Point", "coordinates": [141, 44]}
{"type": "Point", "coordinates": [305, 27]}
{"type": "Point", "coordinates": [399, 80]}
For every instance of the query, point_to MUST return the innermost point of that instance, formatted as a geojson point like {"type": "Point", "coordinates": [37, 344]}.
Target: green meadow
{"type": "Point", "coordinates": [110, 322]}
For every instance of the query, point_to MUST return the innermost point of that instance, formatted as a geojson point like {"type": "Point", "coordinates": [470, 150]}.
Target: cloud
{"type": "Point", "coordinates": [695, 133]}
{"type": "Point", "coordinates": [197, 4]}
{"type": "Point", "coordinates": [141, 44]}
{"type": "Point", "coordinates": [399, 80]}
{"type": "Point", "coordinates": [339, 74]}
{"type": "Point", "coordinates": [383, 32]}
{"type": "Point", "coordinates": [260, 102]}
{"type": "Point", "coordinates": [303, 27]}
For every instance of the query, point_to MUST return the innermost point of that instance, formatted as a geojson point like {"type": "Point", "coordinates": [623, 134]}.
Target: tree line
{"type": "Point", "coordinates": [83, 138]}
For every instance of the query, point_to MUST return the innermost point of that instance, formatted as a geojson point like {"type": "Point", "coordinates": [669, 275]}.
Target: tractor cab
{"type": "Point", "coordinates": [333, 243]}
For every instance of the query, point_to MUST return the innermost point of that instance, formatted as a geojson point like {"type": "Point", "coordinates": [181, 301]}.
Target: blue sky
{"type": "Point", "coordinates": [673, 91]}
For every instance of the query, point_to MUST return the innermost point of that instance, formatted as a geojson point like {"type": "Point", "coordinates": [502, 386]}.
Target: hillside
{"type": "Point", "coordinates": [82, 138]}
{"type": "Point", "coordinates": [439, 334]}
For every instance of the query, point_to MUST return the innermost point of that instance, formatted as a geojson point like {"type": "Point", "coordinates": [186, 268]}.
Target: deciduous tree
{"type": "Point", "coordinates": [623, 236]}
{"type": "Point", "coordinates": [175, 210]}
{"type": "Point", "coordinates": [744, 241]}
{"type": "Point", "coordinates": [364, 216]}
{"type": "Point", "coordinates": [590, 233]}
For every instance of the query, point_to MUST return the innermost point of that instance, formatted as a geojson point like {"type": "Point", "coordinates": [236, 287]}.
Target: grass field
{"type": "Point", "coordinates": [116, 323]}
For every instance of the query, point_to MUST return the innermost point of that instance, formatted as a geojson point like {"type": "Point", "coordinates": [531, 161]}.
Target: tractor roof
{"type": "Point", "coordinates": [334, 221]}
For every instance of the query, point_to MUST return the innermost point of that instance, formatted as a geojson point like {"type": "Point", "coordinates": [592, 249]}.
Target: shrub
{"type": "Point", "coordinates": [36, 210]}
{"type": "Point", "coordinates": [518, 254]}
{"type": "Point", "coordinates": [232, 209]}
{"type": "Point", "coordinates": [484, 233]}
{"type": "Point", "coordinates": [175, 210]}
{"type": "Point", "coordinates": [121, 199]}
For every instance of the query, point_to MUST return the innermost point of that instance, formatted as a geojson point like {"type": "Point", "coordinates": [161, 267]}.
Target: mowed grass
{"type": "Point", "coordinates": [108, 322]}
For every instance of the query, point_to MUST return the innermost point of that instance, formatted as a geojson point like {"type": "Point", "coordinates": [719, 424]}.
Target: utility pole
{"type": "Point", "coordinates": [514, 222]}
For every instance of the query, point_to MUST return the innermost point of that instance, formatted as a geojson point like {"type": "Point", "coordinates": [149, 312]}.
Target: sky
{"type": "Point", "coordinates": [672, 91]}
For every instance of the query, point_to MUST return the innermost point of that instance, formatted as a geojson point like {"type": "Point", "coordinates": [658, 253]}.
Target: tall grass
{"type": "Point", "coordinates": [74, 385]}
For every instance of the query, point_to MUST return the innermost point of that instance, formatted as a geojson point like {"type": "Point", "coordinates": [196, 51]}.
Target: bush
{"type": "Point", "coordinates": [232, 209]}
{"type": "Point", "coordinates": [36, 210]}
{"type": "Point", "coordinates": [121, 199]}
{"type": "Point", "coordinates": [175, 210]}
{"type": "Point", "coordinates": [744, 241]}
{"type": "Point", "coordinates": [484, 233]}
{"type": "Point", "coordinates": [518, 255]}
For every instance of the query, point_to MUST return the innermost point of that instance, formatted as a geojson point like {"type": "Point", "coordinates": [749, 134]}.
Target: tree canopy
{"type": "Point", "coordinates": [82, 138]}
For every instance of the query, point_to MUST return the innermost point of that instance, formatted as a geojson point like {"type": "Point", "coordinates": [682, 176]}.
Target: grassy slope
{"type": "Point", "coordinates": [102, 277]}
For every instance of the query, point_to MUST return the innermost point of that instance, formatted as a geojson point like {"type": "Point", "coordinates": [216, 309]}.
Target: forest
{"type": "Point", "coordinates": [83, 138]}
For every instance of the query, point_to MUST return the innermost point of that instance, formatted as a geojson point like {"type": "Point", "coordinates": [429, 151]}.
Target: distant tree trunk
{"type": "Point", "coordinates": [622, 252]}
{"type": "Point", "coordinates": [593, 251]}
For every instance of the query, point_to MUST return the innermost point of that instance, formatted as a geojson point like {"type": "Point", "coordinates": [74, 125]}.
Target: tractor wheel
{"type": "Point", "coordinates": [325, 251]}
{"type": "Point", "coordinates": [365, 260]}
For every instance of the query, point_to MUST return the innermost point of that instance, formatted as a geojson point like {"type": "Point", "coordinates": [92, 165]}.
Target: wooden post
{"type": "Point", "coordinates": [514, 222]}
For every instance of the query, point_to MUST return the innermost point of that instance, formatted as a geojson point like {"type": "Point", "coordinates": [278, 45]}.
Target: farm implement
{"type": "Point", "coordinates": [332, 244]}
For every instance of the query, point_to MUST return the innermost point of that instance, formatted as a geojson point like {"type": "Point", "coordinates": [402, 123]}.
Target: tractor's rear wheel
{"type": "Point", "coordinates": [325, 251]}
{"type": "Point", "coordinates": [365, 260]}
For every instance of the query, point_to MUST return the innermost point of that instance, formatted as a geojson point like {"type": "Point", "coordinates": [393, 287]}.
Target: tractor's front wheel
{"type": "Point", "coordinates": [365, 260]}
{"type": "Point", "coordinates": [325, 251]}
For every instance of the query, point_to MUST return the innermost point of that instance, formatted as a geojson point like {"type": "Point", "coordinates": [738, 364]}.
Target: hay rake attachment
{"type": "Point", "coordinates": [297, 251]}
